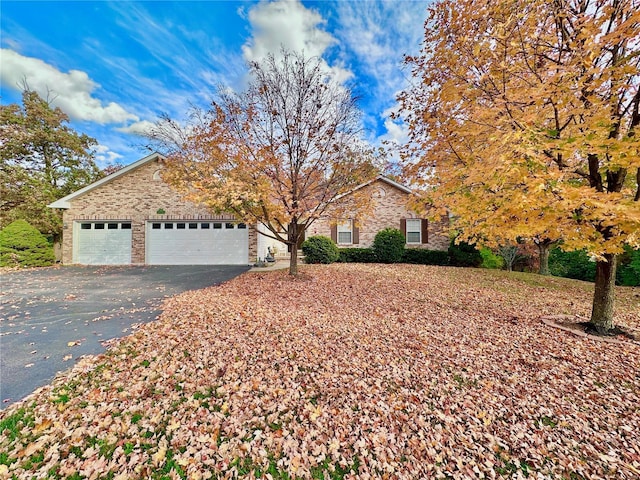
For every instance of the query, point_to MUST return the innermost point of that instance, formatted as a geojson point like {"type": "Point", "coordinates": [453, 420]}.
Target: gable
{"type": "Point", "coordinates": [65, 202]}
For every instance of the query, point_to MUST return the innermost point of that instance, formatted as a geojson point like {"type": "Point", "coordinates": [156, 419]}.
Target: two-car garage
{"type": "Point", "coordinates": [133, 216]}
{"type": "Point", "coordinates": [175, 242]}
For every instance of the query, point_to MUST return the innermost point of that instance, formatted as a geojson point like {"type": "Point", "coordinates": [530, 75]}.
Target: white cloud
{"type": "Point", "coordinates": [287, 24]}
{"type": "Point", "coordinates": [105, 156]}
{"type": "Point", "coordinates": [137, 128]}
{"type": "Point", "coordinates": [290, 25]}
{"type": "Point", "coordinates": [397, 131]}
{"type": "Point", "coordinates": [71, 91]}
{"type": "Point", "coordinates": [378, 34]}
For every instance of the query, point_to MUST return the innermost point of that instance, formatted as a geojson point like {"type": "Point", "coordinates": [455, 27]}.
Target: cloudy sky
{"type": "Point", "coordinates": [113, 67]}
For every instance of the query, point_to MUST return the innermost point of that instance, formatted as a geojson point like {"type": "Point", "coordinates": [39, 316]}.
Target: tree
{"type": "Point", "coordinates": [41, 160]}
{"type": "Point", "coordinates": [280, 153]}
{"type": "Point", "coordinates": [525, 118]}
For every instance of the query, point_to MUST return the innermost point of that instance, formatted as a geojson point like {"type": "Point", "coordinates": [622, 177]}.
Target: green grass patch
{"type": "Point", "coordinates": [13, 424]}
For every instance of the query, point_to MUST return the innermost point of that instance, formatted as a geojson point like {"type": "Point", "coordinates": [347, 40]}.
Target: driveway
{"type": "Point", "coordinates": [51, 317]}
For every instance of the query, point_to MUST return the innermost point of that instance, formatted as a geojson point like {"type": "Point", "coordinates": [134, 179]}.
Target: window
{"type": "Point", "coordinates": [242, 226]}
{"type": "Point", "coordinates": [112, 226]}
{"type": "Point", "coordinates": [217, 226]}
{"type": "Point", "coordinates": [125, 226]}
{"type": "Point", "coordinates": [204, 226]}
{"type": "Point", "coordinates": [99, 226]}
{"type": "Point", "coordinates": [228, 225]}
{"type": "Point", "coordinates": [155, 226]}
{"type": "Point", "coordinates": [180, 226]}
{"type": "Point", "coordinates": [85, 226]}
{"type": "Point", "coordinates": [414, 230]}
{"type": "Point", "coordinates": [168, 226]}
{"type": "Point", "coordinates": [345, 232]}
{"type": "Point", "coordinates": [193, 226]}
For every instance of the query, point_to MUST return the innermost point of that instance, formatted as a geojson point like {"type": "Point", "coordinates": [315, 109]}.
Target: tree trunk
{"type": "Point", "coordinates": [293, 262]}
{"type": "Point", "coordinates": [543, 250]}
{"type": "Point", "coordinates": [604, 294]}
{"type": "Point", "coordinates": [293, 256]}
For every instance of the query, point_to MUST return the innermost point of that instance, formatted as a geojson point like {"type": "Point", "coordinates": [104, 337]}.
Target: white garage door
{"type": "Point", "coordinates": [197, 243]}
{"type": "Point", "coordinates": [102, 243]}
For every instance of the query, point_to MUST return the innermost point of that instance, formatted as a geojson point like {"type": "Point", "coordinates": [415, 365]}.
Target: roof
{"type": "Point", "coordinates": [381, 178]}
{"type": "Point", "coordinates": [65, 201]}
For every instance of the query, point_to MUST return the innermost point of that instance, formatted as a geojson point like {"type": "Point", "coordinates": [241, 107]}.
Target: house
{"type": "Point", "coordinates": [133, 217]}
{"type": "Point", "coordinates": [389, 210]}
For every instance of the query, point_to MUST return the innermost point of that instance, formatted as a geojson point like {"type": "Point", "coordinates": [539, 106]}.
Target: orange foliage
{"type": "Point", "coordinates": [524, 119]}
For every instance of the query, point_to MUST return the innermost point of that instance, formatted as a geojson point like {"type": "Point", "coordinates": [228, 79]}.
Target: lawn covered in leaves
{"type": "Point", "coordinates": [352, 371]}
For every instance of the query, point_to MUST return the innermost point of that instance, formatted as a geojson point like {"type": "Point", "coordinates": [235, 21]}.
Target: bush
{"type": "Point", "coordinates": [628, 273]}
{"type": "Point", "coordinates": [464, 255]}
{"type": "Point", "coordinates": [490, 259]}
{"type": "Point", "coordinates": [357, 255]}
{"type": "Point", "coordinates": [22, 245]}
{"type": "Point", "coordinates": [319, 249]}
{"type": "Point", "coordinates": [425, 257]}
{"type": "Point", "coordinates": [576, 265]}
{"type": "Point", "coordinates": [388, 245]}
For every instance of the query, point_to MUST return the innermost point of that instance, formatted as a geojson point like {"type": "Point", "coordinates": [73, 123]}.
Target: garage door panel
{"type": "Point", "coordinates": [103, 243]}
{"type": "Point", "coordinates": [201, 243]}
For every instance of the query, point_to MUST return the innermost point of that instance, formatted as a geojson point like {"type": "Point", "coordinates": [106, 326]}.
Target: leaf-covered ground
{"type": "Point", "coordinates": [353, 371]}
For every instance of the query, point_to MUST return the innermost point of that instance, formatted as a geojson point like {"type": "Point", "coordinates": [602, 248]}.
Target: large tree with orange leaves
{"type": "Point", "coordinates": [524, 117]}
{"type": "Point", "coordinates": [279, 153]}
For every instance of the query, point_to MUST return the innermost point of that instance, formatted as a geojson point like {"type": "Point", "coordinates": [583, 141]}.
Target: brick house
{"type": "Point", "coordinates": [133, 217]}
{"type": "Point", "coordinates": [390, 210]}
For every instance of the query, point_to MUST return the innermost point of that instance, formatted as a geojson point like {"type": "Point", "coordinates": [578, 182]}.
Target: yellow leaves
{"type": "Point", "coordinates": [486, 419]}
{"type": "Point", "coordinates": [315, 411]}
{"type": "Point", "coordinates": [42, 426]}
{"type": "Point", "coordinates": [174, 424]}
{"type": "Point", "coordinates": [158, 458]}
{"type": "Point", "coordinates": [503, 115]}
{"type": "Point", "coordinates": [29, 450]}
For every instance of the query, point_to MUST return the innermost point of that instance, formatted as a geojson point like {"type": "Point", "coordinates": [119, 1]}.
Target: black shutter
{"type": "Point", "coordinates": [425, 230]}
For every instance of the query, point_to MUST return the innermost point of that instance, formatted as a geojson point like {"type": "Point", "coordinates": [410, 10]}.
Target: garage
{"type": "Point", "coordinates": [102, 243]}
{"type": "Point", "coordinates": [189, 242]}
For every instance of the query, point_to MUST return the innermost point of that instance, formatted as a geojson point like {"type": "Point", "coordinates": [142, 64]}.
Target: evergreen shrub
{"type": "Point", "coordinates": [357, 255]}
{"type": "Point", "coordinates": [490, 259]}
{"type": "Point", "coordinates": [576, 265]}
{"type": "Point", "coordinates": [320, 249]}
{"type": "Point", "coordinates": [628, 273]}
{"type": "Point", "coordinates": [464, 255]}
{"type": "Point", "coordinates": [425, 257]}
{"type": "Point", "coordinates": [388, 245]}
{"type": "Point", "coordinates": [22, 245]}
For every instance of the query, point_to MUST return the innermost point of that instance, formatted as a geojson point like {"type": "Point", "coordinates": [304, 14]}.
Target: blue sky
{"type": "Point", "coordinates": [113, 67]}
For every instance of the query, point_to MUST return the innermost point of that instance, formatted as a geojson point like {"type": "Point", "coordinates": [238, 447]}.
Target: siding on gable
{"type": "Point", "coordinates": [390, 205]}
{"type": "Point", "coordinates": [136, 196]}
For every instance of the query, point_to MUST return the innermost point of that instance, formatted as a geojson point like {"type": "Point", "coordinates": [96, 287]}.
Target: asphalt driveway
{"type": "Point", "coordinates": [51, 317]}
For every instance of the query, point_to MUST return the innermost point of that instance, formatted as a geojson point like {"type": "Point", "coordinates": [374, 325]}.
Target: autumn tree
{"type": "Point", "coordinates": [41, 160]}
{"type": "Point", "coordinates": [280, 153]}
{"type": "Point", "coordinates": [524, 118]}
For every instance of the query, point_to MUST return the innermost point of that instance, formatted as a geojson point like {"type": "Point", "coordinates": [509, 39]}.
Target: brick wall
{"type": "Point", "coordinates": [136, 196]}
{"type": "Point", "coordinates": [389, 206]}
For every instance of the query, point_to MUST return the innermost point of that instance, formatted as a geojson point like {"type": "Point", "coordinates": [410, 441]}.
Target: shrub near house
{"type": "Point", "coordinates": [319, 249]}
{"type": "Point", "coordinates": [22, 245]}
